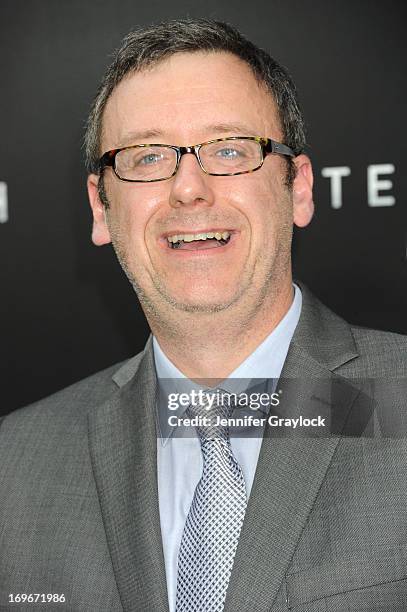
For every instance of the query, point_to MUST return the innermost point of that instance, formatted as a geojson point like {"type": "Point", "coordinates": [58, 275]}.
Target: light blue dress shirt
{"type": "Point", "coordinates": [179, 459]}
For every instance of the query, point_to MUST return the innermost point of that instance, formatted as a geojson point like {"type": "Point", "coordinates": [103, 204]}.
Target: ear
{"type": "Point", "coordinates": [303, 204]}
{"type": "Point", "coordinates": [100, 231]}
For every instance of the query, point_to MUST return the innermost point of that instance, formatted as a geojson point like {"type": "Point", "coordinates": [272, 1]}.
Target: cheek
{"type": "Point", "coordinates": [132, 208]}
{"type": "Point", "coordinates": [265, 202]}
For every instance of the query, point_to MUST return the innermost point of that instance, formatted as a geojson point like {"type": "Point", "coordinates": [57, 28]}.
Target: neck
{"type": "Point", "coordinates": [212, 346]}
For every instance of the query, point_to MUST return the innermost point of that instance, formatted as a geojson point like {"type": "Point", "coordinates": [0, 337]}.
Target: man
{"type": "Point", "coordinates": [196, 176]}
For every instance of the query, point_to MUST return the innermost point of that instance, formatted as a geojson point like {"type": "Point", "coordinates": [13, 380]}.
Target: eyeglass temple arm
{"type": "Point", "coordinates": [107, 160]}
{"type": "Point", "coordinates": [277, 147]}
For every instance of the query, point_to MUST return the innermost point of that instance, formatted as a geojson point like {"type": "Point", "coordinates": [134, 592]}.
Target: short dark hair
{"type": "Point", "coordinates": [145, 47]}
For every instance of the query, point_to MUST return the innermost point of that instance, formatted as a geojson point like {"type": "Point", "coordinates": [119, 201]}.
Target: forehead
{"type": "Point", "coordinates": [188, 98]}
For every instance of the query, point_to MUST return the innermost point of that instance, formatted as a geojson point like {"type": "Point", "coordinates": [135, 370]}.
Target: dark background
{"type": "Point", "coordinates": [67, 310]}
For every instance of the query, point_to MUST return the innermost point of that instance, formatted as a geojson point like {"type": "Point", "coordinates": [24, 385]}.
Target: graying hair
{"type": "Point", "coordinates": [145, 47]}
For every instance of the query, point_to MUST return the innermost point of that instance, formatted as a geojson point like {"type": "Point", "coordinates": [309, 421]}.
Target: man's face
{"type": "Point", "coordinates": [186, 100]}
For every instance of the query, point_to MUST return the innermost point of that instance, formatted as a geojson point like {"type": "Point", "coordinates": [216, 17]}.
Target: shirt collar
{"type": "Point", "coordinates": [266, 363]}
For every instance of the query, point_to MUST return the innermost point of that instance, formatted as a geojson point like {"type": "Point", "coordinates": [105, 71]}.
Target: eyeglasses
{"type": "Point", "coordinates": [146, 163]}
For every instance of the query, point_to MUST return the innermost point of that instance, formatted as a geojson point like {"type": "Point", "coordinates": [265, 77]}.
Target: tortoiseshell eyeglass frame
{"type": "Point", "coordinates": [267, 146]}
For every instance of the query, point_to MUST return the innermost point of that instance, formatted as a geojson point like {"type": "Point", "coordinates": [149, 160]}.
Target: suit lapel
{"type": "Point", "coordinates": [123, 440]}
{"type": "Point", "coordinates": [291, 467]}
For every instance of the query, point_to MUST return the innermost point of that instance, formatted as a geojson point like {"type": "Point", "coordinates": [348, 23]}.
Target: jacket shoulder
{"type": "Point", "coordinates": [382, 353]}
{"type": "Point", "coordinates": [77, 399]}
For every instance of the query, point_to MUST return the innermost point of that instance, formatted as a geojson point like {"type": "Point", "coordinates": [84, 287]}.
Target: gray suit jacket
{"type": "Point", "coordinates": [326, 523]}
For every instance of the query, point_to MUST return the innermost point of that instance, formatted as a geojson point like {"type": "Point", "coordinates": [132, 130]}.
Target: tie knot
{"type": "Point", "coordinates": [212, 413]}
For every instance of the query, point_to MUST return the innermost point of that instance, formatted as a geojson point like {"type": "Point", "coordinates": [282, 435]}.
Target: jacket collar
{"type": "Point", "coordinates": [322, 335]}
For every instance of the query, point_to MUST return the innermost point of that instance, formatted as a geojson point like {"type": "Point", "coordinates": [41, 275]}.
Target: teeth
{"type": "Point", "coordinates": [202, 236]}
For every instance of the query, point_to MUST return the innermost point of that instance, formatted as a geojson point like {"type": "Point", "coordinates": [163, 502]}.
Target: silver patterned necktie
{"type": "Point", "coordinates": [214, 521]}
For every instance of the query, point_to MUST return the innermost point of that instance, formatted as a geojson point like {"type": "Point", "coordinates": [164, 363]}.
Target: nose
{"type": "Point", "coordinates": [190, 185]}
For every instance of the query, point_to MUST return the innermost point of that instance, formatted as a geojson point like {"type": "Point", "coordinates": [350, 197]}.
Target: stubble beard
{"type": "Point", "coordinates": [159, 312]}
{"type": "Point", "coordinates": [150, 306]}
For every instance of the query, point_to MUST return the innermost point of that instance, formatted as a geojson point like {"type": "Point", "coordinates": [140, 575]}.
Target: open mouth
{"type": "Point", "coordinates": [199, 241]}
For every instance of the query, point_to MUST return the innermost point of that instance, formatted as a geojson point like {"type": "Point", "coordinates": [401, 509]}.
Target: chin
{"type": "Point", "coordinates": [200, 304]}
{"type": "Point", "coordinates": [202, 297]}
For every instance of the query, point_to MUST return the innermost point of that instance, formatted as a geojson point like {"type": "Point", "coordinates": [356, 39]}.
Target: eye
{"type": "Point", "coordinates": [149, 159]}
{"type": "Point", "coordinates": [229, 153]}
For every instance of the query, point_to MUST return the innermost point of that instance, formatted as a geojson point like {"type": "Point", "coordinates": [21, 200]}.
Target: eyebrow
{"type": "Point", "coordinates": [219, 128]}
{"type": "Point", "coordinates": [138, 136]}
